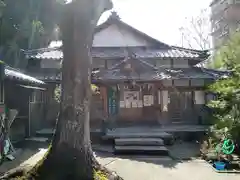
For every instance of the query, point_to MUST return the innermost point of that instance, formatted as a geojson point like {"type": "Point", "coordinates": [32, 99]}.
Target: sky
{"type": "Point", "coordinates": [160, 19]}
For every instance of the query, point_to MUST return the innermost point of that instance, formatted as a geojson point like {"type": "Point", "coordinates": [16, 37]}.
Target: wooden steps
{"type": "Point", "coordinates": [148, 137]}
{"type": "Point", "coordinates": [140, 146]}
{"type": "Point", "coordinates": [141, 140]}
{"type": "Point", "coordinates": [46, 133]}
{"type": "Point", "coordinates": [176, 115]}
{"type": "Point", "coordinates": [137, 141]}
{"type": "Point", "coordinates": [37, 139]}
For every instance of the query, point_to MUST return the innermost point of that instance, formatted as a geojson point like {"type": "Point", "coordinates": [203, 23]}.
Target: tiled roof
{"type": "Point", "coordinates": [116, 74]}
{"type": "Point", "coordinates": [138, 64]}
{"type": "Point", "coordinates": [217, 73]}
{"type": "Point", "coordinates": [45, 53]}
{"type": "Point", "coordinates": [140, 70]}
{"type": "Point", "coordinates": [48, 76]}
{"type": "Point", "coordinates": [152, 75]}
{"type": "Point", "coordinates": [113, 52]}
{"type": "Point", "coordinates": [16, 74]}
{"type": "Point", "coordinates": [188, 73]}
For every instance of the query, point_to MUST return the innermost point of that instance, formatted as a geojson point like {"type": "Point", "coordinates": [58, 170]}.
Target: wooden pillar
{"type": "Point", "coordinates": [164, 106]}
{"type": "Point", "coordinates": [103, 92]}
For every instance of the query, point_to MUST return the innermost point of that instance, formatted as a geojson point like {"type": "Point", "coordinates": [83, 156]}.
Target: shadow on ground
{"type": "Point", "coordinates": [23, 151]}
{"type": "Point", "coordinates": [178, 153]}
{"type": "Point", "coordinates": [106, 159]}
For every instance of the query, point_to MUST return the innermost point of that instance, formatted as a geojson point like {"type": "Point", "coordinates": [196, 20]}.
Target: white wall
{"type": "Point", "coordinates": [165, 100]}
{"type": "Point", "coordinates": [50, 63]}
{"type": "Point", "coordinates": [197, 82]}
{"type": "Point", "coordinates": [177, 63]}
{"type": "Point", "coordinates": [167, 83]}
{"type": "Point", "coordinates": [113, 36]}
{"type": "Point", "coordinates": [98, 63]}
{"type": "Point", "coordinates": [163, 63]}
{"type": "Point", "coordinates": [181, 82]}
{"type": "Point", "coordinates": [159, 97]}
{"type": "Point", "coordinates": [199, 97]}
{"type": "Point", "coordinates": [180, 63]}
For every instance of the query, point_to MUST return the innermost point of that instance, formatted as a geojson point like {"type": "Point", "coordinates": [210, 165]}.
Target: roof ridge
{"type": "Point", "coordinates": [131, 58]}
{"type": "Point", "coordinates": [146, 63]}
{"type": "Point", "coordinates": [14, 69]}
{"type": "Point", "coordinates": [118, 64]}
{"type": "Point", "coordinates": [13, 72]}
{"type": "Point", "coordinates": [188, 49]}
{"type": "Point", "coordinates": [216, 73]}
{"type": "Point", "coordinates": [42, 49]}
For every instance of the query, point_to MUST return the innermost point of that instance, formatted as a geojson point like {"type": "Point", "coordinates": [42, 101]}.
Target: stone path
{"type": "Point", "coordinates": [145, 168]}
{"type": "Point", "coordinates": [140, 169]}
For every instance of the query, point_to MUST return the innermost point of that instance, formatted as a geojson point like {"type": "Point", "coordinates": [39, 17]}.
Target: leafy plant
{"type": "Point", "coordinates": [24, 26]}
{"type": "Point", "coordinates": [57, 93]}
{"type": "Point", "coordinates": [227, 107]}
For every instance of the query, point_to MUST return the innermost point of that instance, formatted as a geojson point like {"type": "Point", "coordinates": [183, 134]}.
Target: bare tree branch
{"type": "Point", "coordinates": [196, 32]}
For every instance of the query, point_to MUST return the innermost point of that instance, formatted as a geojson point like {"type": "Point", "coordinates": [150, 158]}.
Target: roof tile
{"type": "Point", "coordinates": [53, 53]}
{"type": "Point", "coordinates": [15, 74]}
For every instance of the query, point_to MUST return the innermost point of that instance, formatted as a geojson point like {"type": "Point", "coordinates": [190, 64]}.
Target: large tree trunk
{"type": "Point", "coordinates": [71, 152]}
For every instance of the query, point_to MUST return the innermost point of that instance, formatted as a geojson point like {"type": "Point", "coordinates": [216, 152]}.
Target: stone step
{"type": "Point", "coordinates": [176, 114]}
{"type": "Point", "coordinates": [33, 142]}
{"type": "Point", "coordinates": [146, 150]}
{"type": "Point", "coordinates": [115, 135]}
{"type": "Point", "coordinates": [36, 142]}
{"type": "Point", "coordinates": [147, 158]}
{"type": "Point", "coordinates": [176, 117]}
{"type": "Point", "coordinates": [47, 133]}
{"type": "Point", "coordinates": [139, 141]}
{"type": "Point", "coordinates": [37, 139]}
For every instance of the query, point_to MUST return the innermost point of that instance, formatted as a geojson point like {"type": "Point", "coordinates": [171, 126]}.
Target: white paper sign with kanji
{"type": "Point", "coordinates": [148, 100]}
{"type": "Point", "coordinates": [131, 99]}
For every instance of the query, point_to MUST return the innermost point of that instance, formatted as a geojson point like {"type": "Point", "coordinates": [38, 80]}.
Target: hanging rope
{"type": "Point", "coordinates": [227, 147]}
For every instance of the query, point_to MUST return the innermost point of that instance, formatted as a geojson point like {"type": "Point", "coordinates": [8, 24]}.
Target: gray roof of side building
{"type": "Point", "coordinates": [12, 73]}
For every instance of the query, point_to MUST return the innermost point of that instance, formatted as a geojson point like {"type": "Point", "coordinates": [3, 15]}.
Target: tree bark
{"type": "Point", "coordinates": [71, 152]}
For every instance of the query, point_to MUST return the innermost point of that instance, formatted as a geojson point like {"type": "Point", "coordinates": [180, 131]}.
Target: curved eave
{"type": "Point", "coordinates": [16, 75]}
